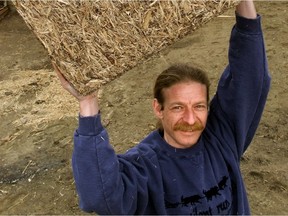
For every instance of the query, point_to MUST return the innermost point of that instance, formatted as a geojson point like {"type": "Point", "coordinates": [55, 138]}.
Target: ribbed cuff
{"type": "Point", "coordinates": [89, 126]}
{"type": "Point", "coordinates": [250, 26]}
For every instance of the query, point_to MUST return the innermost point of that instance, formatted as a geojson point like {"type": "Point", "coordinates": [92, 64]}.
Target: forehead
{"type": "Point", "coordinates": [186, 92]}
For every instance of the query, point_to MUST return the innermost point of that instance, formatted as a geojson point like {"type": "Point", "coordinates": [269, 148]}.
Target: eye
{"type": "Point", "coordinates": [200, 107]}
{"type": "Point", "coordinates": [177, 108]}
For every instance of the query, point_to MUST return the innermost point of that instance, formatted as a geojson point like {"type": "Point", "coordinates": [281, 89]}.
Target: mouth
{"type": "Point", "coordinates": [188, 132]}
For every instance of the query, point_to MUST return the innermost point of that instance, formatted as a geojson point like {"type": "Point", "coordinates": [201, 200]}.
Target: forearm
{"type": "Point", "coordinates": [91, 150]}
{"type": "Point", "coordinates": [244, 85]}
{"type": "Point", "coordinates": [91, 168]}
{"type": "Point", "coordinates": [100, 174]}
{"type": "Point", "coordinates": [246, 8]}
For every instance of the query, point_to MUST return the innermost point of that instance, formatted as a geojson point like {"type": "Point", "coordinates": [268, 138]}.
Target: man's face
{"type": "Point", "coordinates": [184, 114]}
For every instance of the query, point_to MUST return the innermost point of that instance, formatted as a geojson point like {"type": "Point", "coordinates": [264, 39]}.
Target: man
{"type": "Point", "coordinates": [190, 165]}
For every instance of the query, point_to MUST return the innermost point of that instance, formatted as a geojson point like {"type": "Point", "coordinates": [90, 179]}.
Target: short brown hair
{"type": "Point", "coordinates": [179, 73]}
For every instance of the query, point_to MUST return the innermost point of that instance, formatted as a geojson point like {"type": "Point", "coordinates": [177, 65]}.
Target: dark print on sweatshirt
{"type": "Point", "coordinates": [214, 200]}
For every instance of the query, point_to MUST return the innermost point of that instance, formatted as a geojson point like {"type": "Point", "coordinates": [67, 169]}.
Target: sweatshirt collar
{"type": "Point", "coordinates": [171, 151]}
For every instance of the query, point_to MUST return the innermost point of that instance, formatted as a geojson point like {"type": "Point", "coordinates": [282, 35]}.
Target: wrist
{"type": "Point", "coordinates": [89, 106]}
{"type": "Point", "coordinates": [246, 8]}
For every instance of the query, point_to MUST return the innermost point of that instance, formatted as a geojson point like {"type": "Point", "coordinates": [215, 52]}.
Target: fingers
{"type": "Point", "coordinates": [66, 85]}
{"type": "Point", "coordinates": [59, 74]}
{"type": "Point", "coordinates": [64, 82]}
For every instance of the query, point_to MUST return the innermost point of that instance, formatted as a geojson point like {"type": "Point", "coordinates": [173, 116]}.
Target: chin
{"type": "Point", "coordinates": [189, 144]}
{"type": "Point", "coordinates": [189, 141]}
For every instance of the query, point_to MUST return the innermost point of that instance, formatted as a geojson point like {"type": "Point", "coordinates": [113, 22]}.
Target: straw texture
{"type": "Point", "coordinates": [93, 42]}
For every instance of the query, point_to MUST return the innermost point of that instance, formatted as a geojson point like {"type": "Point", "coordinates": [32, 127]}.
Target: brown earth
{"type": "Point", "coordinates": [38, 117]}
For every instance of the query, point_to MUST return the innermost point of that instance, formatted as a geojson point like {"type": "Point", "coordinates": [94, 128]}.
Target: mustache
{"type": "Point", "coordinates": [184, 126]}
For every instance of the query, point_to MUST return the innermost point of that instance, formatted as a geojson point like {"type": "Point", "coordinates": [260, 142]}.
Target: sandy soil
{"type": "Point", "coordinates": [38, 117]}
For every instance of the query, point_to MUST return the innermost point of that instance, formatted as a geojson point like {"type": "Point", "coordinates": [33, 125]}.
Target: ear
{"type": "Point", "coordinates": [157, 108]}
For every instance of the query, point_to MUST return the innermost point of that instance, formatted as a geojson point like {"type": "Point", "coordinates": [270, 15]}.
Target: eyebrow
{"type": "Point", "coordinates": [181, 103]}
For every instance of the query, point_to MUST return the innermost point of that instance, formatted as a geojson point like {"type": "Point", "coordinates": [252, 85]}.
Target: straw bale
{"type": "Point", "coordinates": [93, 42]}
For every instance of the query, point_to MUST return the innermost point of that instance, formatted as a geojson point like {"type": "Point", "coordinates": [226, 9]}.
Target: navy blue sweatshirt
{"type": "Point", "coordinates": [156, 178]}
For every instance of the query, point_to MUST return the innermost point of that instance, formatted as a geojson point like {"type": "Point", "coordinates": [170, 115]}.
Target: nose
{"type": "Point", "coordinates": [189, 116]}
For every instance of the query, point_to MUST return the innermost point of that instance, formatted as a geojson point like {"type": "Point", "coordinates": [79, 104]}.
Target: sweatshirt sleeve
{"type": "Point", "coordinates": [243, 87]}
{"type": "Point", "coordinates": [106, 183]}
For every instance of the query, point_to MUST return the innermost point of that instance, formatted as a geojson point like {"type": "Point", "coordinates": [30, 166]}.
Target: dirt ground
{"type": "Point", "coordinates": [38, 118]}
